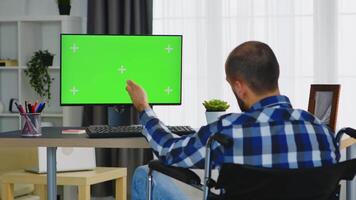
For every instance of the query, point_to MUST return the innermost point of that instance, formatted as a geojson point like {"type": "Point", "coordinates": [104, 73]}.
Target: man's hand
{"type": "Point", "coordinates": [138, 96]}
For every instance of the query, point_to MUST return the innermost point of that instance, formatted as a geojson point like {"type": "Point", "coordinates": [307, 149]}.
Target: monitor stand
{"type": "Point", "coordinates": [123, 115]}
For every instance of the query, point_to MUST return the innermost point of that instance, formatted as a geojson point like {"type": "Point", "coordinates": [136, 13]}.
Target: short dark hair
{"type": "Point", "coordinates": [255, 63]}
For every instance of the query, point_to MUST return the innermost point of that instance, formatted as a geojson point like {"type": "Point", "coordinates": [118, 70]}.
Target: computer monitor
{"type": "Point", "coordinates": [95, 68]}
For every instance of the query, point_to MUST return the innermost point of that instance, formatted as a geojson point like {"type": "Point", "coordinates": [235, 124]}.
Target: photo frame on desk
{"type": "Point", "coordinates": [324, 102]}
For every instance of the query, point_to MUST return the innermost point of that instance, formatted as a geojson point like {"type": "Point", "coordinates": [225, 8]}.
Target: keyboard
{"type": "Point", "coordinates": [104, 131]}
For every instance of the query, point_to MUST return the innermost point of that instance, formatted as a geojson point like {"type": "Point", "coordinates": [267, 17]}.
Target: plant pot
{"type": "Point", "coordinates": [64, 9]}
{"type": "Point", "coordinates": [212, 116]}
{"type": "Point", "coordinates": [47, 60]}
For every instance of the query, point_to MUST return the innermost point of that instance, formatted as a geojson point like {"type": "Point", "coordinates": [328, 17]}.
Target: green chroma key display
{"type": "Point", "coordinates": [95, 68]}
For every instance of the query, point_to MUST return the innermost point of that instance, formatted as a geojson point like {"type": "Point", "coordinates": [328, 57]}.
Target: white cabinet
{"type": "Point", "coordinates": [19, 39]}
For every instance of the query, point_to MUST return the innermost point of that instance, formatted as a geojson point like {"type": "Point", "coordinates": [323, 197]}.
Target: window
{"type": "Point", "coordinates": [211, 29]}
{"type": "Point", "coordinates": [346, 62]}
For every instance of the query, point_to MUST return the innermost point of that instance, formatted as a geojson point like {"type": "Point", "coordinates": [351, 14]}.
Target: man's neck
{"type": "Point", "coordinates": [256, 98]}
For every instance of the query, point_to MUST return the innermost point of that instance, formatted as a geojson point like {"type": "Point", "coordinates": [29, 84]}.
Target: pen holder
{"type": "Point", "coordinates": [31, 124]}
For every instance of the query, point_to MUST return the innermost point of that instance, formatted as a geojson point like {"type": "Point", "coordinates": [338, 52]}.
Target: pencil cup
{"type": "Point", "coordinates": [31, 124]}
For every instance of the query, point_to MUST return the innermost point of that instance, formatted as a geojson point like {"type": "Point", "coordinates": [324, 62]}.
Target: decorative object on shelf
{"type": "Point", "coordinates": [12, 105]}
{"type": "Point", "coordinates": [37, 71]}
{"type": "Point", "coordinates": [8, 63]}
{"type": "Point", "coordinates": [64, 7]}
{"type": "Point", "coordinates": [1, 107]}
{"type": "Point", "coordinates": [214, 109]}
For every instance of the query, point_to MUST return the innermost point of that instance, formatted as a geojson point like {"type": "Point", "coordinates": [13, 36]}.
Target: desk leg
{"type": "Point", "coordinates": [7, 191]}
{"type": "Point", "coordinates": [84, 192]}
{"type": "Point", "coordinates": [120, 188]}
{"type": "Point", "coordinates": [51, 173]}
{"type": "Point", "coordinates": [41, 191]}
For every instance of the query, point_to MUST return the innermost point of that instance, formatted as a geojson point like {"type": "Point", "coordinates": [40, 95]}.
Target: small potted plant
{"type": "Point", "coordinates": [37, 71]}
{"type": "Point", "coordinates": [214, 109]}
{"type": "Point", "coordinates": [64, 7]}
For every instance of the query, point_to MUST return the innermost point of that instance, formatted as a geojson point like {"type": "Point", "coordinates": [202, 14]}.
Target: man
{"type": "Point", "coordinates": [268, 132]}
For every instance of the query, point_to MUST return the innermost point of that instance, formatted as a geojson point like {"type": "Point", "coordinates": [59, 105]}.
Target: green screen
{"type": "Point", "coordinates": [95, 68]}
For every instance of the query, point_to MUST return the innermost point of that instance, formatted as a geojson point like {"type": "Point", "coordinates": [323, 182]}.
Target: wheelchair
{"type": "Point", "coordinates": [242, 182]}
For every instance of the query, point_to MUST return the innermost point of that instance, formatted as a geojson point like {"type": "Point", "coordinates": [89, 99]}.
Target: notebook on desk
{"type": "Point", "coordinates": [68, 159]}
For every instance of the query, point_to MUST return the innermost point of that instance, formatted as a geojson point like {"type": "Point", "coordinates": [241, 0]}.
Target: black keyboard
{"type": "Point", "coordinates": [104, 131]}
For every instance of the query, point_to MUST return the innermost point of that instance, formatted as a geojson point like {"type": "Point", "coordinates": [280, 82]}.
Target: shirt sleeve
{"type": "Point", "coordinates": [185, 151]}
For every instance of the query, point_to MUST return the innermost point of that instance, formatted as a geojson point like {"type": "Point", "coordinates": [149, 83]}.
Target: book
{"type": "Point", "coordinates": [8, 63]}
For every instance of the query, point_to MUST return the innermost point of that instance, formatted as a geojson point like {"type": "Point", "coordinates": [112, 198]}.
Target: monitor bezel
{"type": "Point", "coordinates": [111, 104]}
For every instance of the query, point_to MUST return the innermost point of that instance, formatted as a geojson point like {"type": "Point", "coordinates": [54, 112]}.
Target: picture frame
{"type": "Point", "coordinates": [324, 102]}
{"type": "Point", "coordinates": [12, 105]}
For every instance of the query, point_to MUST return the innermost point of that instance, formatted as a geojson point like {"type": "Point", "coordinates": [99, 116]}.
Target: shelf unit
{"type": "Point", "coordinates": [20, 37]}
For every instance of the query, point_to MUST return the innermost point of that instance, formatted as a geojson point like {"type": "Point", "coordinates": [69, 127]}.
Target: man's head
{"type": "Point", "coordinates": [252, 70]}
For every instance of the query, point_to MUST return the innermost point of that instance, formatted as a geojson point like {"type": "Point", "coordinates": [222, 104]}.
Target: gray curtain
{"type": "Point", "coordinates": [117, 17]}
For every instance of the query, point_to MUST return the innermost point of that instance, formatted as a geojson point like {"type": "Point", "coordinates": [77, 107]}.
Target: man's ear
{"type": "Point", "coordinates": [239, 88]}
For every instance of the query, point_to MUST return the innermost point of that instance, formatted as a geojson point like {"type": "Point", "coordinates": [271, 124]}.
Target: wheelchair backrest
{"type": "Point", "coordinates": [254, 183]}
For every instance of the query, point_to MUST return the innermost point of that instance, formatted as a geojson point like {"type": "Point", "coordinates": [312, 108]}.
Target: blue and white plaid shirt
{"type": "Point", "coordinates": [270, 134]}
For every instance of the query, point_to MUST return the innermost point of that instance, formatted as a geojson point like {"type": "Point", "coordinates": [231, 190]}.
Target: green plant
{"type": "Point", "coordinates": [63, 2]}
{"type": "Point", "coordinates": [216, 105]}
{"type": "Point", "coordinates": [37, 71]}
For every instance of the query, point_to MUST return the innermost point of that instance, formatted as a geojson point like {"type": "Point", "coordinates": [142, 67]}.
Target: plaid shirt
{"type": "Point", "coordinates": [270, 134]}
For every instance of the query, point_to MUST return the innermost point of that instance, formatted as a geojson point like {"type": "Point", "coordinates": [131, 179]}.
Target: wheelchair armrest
{"type": "Point", "coordinates": [348, 131]}
{"type": "Point", "coordinates": [182, 174]}
{"type": "Point", "coordinates": [351, 132]}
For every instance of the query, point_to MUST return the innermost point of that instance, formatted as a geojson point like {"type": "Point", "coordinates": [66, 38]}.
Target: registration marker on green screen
{"type": "Point", "coordinates": [95, 68]}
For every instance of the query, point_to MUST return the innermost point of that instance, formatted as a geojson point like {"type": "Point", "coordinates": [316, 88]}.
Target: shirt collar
{"type": "Point", "coordinates": [272, 101]}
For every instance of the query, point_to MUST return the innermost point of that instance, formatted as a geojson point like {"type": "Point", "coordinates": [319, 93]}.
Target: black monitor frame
{"type": "Point", "coordinates": [110, 104]}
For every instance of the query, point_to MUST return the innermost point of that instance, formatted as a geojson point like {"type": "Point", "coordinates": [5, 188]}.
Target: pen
{"type": "Point", "coordinates": [34, 107]}
{"type": "Point", "coordinates": [29, 108]}
{"type": "Point", "coordinates": [43, 105]}
{"type": "Point", "coordinates": [26, 107]}
{"type": "Point", "coordinates": [20, 108]}
{"type": "Point", "coordinates": [39, 107]}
